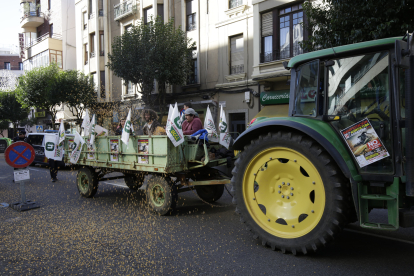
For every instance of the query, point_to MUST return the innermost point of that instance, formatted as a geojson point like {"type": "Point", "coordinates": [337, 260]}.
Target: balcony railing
{"type": "Point", "coordinates": [101, 13]}
{"type": "Point", "coordinates": [92, 54]}
{"type": "Point", "coordinates": [101, 53]}
{"type": "Point", "coordinates": [92, 15]}
{"type": "Point", "coordinates": [124, 9]}
{"type": "Point", "coordinates": [280, 54]}
{"type": "Point", "coordinates": [32, 14]}
{"type": "Point", "coordinates": [237, 69]}
{"type": "Point", "coordinates": [43, 37]}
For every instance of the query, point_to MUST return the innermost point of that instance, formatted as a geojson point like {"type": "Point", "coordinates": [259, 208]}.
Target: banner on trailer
{"type": "Point", "coordinates": [210, 126]}
{"type": "Point", "coordinates": [77, 148]}
{"type": "Point", "coordinates": [174, 131]}
{"type": "Point", "coordinates": [224, 132]}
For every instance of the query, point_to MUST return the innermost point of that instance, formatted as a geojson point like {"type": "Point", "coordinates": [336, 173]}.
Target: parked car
{"type": "Point", "coordinates": [37, 140]}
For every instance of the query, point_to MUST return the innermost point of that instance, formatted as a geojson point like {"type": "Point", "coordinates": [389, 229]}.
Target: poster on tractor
{"type": "Point", "coordinates": [114, 146]}
{"type": "Point", "coordinates": [143, 149]}
{"type": "Point", "coordinates": [91, 150]}
{"type": "Point", "coordinates": [364, 143]}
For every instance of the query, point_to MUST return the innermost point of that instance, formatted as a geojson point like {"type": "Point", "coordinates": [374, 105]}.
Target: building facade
{"type": "Point", "coordinates": [48, 30]}
{"type": "Point", "coordinates": [240, 46]}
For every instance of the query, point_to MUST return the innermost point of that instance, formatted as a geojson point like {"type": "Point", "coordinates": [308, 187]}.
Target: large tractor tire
{"type": "Point", "coordinates": [134, 181]}
{"type": "Point", "coordinates": [162, 195]}
{"type": "Point", "coordinates": [290, 193]}
{"type": "Point", "coordinates": [87, 182]}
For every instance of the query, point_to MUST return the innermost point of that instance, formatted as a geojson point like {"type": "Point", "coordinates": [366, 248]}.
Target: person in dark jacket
{"type": "Point", "coordinates": [21, 137]}
{"type": "Point", "coordinates": [152, 126]}
{"type": "Point", "coordinates": [120, 127]}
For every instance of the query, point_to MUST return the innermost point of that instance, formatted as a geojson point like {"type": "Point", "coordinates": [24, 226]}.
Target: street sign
{"type": "Point", "coordinates": [20, 175]}
{"type": "Point", "coordinates": [19, 155]}
{"type": "Point", "coordinates": [39, 129]}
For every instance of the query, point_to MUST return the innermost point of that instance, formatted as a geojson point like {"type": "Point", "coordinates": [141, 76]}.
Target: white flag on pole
{"type": "Point", "coordinates": [76, 148]}
{"type": "Point", "coordinates": [50, 146]}
{"type": "Point", "coordinates": [128, 129]}
{"type": "Point", "coordinates": [210, 127]}
{"type": "Point", "coordinates": [86, 123]}
{"type": "Point", "coordinates": [224, 132]}
{"type": "Point", "coordinates": [170, 111]}
{"type": "Point", "coordinates": [175, 131]}
{"type": "Point", "coordinates": [92, 131]}
{"type": "Point", "coordinates": [62, 134]}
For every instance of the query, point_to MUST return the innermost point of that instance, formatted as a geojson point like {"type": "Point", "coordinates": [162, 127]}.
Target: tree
{"type": "Point", "coordinates": [39, 88]}
{"type": "Point", "coordinates": [336, 22]}
{"type": "Point", "coordinates": [11, 110]}
{"type": "Point", "coordinates": [155, 51]}
{"type": "Point", "coordinates": [79, 90]}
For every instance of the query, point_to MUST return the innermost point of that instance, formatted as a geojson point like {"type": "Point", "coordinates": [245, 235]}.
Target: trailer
{"type": "Point", "coordinates": [172, 169]}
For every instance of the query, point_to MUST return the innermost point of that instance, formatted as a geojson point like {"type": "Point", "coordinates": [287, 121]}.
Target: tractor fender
{"type": "Point", "coordinates": [318, 130]}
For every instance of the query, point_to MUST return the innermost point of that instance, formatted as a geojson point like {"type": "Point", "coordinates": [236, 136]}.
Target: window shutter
{"type": "Point", "coordinates": [267, 24]}
{"type": "Point", "coordinates": [237, 50]}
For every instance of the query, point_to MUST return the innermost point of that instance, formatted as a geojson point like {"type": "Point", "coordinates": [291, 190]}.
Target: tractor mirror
{"type": "Point", "coordinates": [401, 56]}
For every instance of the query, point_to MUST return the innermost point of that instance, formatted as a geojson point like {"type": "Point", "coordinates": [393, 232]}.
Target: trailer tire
{"type": "Point", "coordinates": [134, 181]}
{"type": "Point", "coordinates": [210, 193]}
{"type": "Point", "coordinates": [290, 193]}
{"type": "Point", "coordinates": [162, 195]}
{"type": "Point", "coordinates": [87, 182]}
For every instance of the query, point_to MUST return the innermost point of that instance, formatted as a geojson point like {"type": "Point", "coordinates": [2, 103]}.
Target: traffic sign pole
{"type": "Point", "coordinates": [20, 155]}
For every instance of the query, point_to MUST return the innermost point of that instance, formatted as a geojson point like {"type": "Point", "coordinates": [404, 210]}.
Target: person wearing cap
{"type": "Point", "coordinates": [191, 123]}
{"type": "Point", "coordinates": [21, 137]}
{"type": "Point", "coordinates": [187, 105]}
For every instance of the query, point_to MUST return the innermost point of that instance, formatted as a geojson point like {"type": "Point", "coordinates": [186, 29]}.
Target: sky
{"type": "Point", "coordinates": [9, 22]}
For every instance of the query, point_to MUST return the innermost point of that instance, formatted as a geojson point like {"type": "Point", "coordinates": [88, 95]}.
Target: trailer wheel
{"type": "Point", "coordinates": [87, 182]}
{"type": "Point", "coordinates": [210, 193]}
{"type": "Point", "coordinates": [290, 192]}
{"type": "Point", "coordinates": [134, 181]}
{"type": "Point", "coordinates": [161, 195]}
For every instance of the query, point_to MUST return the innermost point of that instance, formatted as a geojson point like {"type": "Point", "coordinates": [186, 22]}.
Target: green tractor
{"type": "Point", "coordinates": [343, 148]}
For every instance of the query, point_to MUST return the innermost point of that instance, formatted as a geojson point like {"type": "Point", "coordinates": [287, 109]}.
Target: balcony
{"type": "Point", "coordinates": [32, 19]}
{"type": "Point", "coordinates": [124, 9]}
{"type": "Point", "coordinates": [42, 38]}
{"type": "Point", "coordinates": [278, 54]}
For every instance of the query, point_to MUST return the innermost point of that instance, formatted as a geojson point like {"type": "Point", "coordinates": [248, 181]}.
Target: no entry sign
{"type": "Point", "coordinates": [19, 155]}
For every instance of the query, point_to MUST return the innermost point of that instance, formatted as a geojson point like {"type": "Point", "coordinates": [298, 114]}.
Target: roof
{"type": "Point", "coordinates": [330, 52]}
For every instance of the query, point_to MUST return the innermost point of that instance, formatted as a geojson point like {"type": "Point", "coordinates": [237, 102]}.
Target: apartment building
{"type": "Point", "coordinates": [48, 34]}
{"type": "Point", "coordinates": [239, 49]}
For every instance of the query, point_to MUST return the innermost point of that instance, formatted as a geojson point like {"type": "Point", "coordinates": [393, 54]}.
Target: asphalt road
{"type": "Point", "coordinates": [114, 234]}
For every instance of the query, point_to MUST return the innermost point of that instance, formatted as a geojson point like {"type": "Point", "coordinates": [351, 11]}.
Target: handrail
{"type": "Point", "coordinates": [43, 37]}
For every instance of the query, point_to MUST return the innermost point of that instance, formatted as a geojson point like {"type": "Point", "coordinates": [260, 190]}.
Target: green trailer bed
{"type": "Point", "coordinates": [172, 169]}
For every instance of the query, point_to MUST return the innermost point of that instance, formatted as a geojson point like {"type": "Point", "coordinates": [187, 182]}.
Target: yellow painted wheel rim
{"type": "Point", "coordinates": [284, 192]}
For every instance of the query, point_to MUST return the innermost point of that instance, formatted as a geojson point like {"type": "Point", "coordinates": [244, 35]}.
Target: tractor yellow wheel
{"type": "Point", "coordinates": [290, 193]}
{"type": "Point", "coordinates": [284, 192]}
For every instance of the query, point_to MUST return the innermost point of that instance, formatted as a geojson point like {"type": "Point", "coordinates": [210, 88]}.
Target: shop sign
{"type": "Point", "coordinates": [274, 97]}
{"type": "Point", "coordinates": [40, 114]}
{"type": "Point", "coordinates": [21, 45]}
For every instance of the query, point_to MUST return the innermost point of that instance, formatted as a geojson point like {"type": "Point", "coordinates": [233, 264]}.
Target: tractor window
{"type": "Point", "coordinates": [359, 88]}
{"type": "Point", "coordinates": [306, 87]}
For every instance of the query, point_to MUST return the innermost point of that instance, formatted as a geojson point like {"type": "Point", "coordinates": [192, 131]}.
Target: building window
{"type": "Point", "coordinates": [103, 84]}
{"type": "Point", "coordinates": [101, 43]}
{"type": "Point", "coordinates": [192, 78]}
{"type": "Point", "coordinates": [20, 65]}
{"type": "Point", "coordinates": [51, 30]}
{"type": "Point", "coordinates": [160, 11]}
{"type": "Point", "coordinates": [49, 4]}
{"type": "Point", "coordinates": [129, 90]}
{"type": "Point", "coordinates": [7, 66]}
{"type": "Point", "coordinates": [148, 15]}
{"type": "Point", "coordinates": [86, 53]}
{"type": "Point", "coordinates": [236, 55]}
{"type": "Point", "coordinates": [237, 124]}
{"type": "Point", "coordinates": [101, 13]}
{"type": "Point", "coordinates": [95, 81]}
{"type": "Point", "coordinates": [56, 57]}
{"type": "Point", "coordinates": [92, 44]}
{"type": "Point", "coordinates": [191, 15]}
{"type": "Point", "coordinates": [282, 31]}
{"type": "Point", "coordinates": [90, 9]}
{"type": "Point", "coordinates": [235, 3]}
{"type": "Point", "coordinates": [85, 20]}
